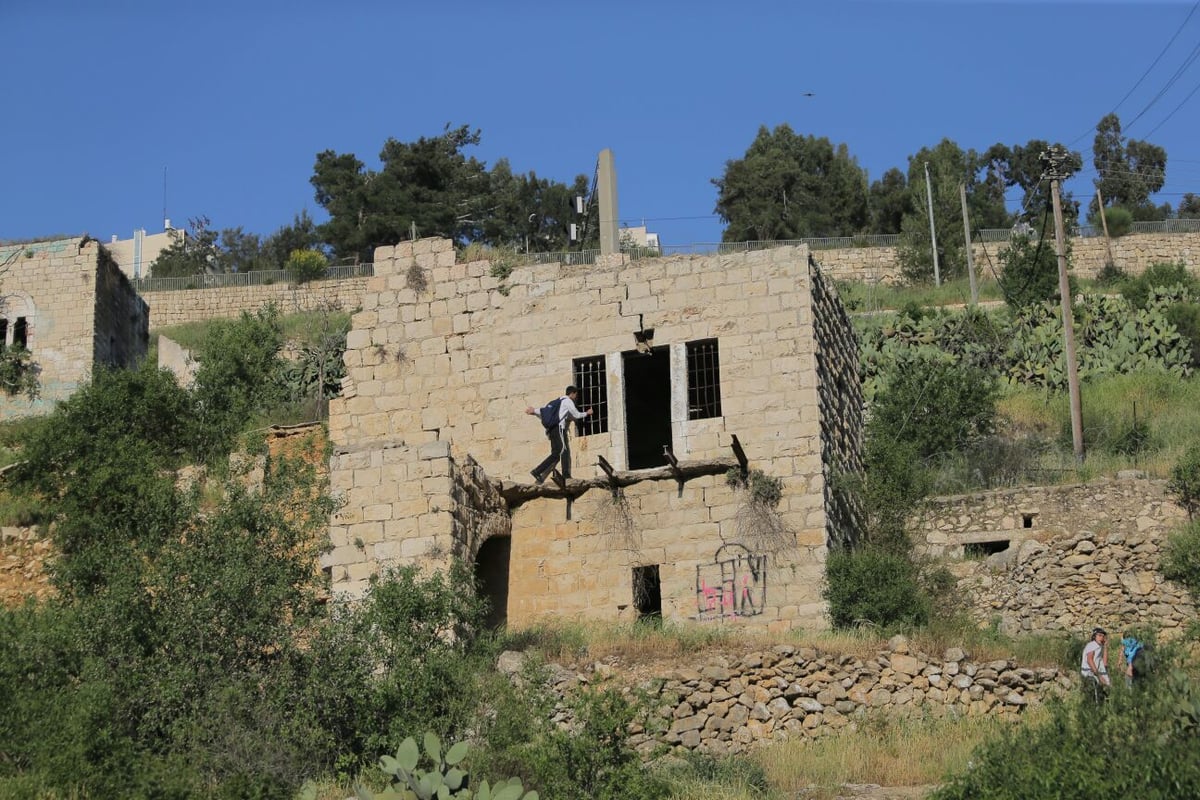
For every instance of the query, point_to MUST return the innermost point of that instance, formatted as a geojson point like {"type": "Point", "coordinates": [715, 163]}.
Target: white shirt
{"type": "Point", "coordinates": [1096, 648]}
{"type": "Point", "coordinates": [567, 409]}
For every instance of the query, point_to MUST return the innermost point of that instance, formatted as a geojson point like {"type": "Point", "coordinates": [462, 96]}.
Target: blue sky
{"type": "Point", "coordinates": [234, 100]}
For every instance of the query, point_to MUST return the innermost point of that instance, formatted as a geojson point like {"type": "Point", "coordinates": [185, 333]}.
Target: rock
{"type": "Point", "coordinates": [898, 644]}
{"type": "Point", "coordinates": [905, 665]}
{"type": "Point", "coordinates": [510, 662]}
{"type": "Point", "coordinates": [954, 655]}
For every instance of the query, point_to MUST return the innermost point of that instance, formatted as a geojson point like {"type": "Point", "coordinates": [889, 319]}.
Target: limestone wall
{"type": "Point", "coordinates": [196, 305]}
{"type": "Point", "coordinates": [1077, 556]}
{"type": "Point", "coordinates": [1132, 253]}
{"type": "Point", "coordinates": [75, 309]}
{"type": "Point", "coordinates": [122, 325]}
{"type": "Point", "coordinates": [441, 373]}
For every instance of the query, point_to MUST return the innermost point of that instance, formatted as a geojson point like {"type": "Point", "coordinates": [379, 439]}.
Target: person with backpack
{"type": "Point", "coordinates": [1094, 665]}
{"type": "Point", "coordinates": [555, 415]}
{"type": "Point", "coordinates": [1134, 651]}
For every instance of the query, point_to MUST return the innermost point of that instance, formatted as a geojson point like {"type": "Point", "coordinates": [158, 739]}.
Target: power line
{"type": "Point", "coordinates": [1167, 47]}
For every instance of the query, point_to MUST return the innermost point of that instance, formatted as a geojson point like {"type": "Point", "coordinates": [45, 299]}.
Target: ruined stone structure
{"type": "Point", "coordinates": [718, 358]}
{"type": "Point", "coordinates": [69, 304]}
{"type": "Point", "coordinates": [1062, 559]}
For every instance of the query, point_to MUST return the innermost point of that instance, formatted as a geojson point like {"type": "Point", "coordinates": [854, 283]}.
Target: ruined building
{"type": "Point", "coordinates": [726, 402]}
{"type": "Point", "coordinates": [67, 303]}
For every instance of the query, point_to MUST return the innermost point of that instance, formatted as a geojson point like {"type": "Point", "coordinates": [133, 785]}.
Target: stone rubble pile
{"type": "Point", "coordinates": [728, 705]}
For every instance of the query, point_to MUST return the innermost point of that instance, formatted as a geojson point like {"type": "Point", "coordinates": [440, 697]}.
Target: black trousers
{"type": "Point", "coordinates": [560, 448]}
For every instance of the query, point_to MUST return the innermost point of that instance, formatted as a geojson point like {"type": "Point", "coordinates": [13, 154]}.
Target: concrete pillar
{"type": "Point", "coordinates": [606, 187]}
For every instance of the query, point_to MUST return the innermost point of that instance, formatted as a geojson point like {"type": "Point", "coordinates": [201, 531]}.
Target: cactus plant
{"type": "Point", "coordinates": [443, 780]}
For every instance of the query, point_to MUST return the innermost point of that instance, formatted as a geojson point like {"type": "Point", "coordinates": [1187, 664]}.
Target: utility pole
{"type": "Point", "coordinates": [1104, 224]}
{"type": "Point", "coordinates": [1053, 159]}
{"type": "Point", "coordinates": [962, 193]}
{"type": "Point", "coordinates": [937, 275]}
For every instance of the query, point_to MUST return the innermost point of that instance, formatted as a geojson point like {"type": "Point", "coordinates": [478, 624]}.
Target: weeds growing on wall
{"type": "Point", "coordinates": [759, 524]}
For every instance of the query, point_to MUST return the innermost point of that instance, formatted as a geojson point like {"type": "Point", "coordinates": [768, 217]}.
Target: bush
{"type": "Point", "coordinates": [1157, 275]}
{"type": "Point", "coordinates": [1185, 480]}
{"type": "Point", "coordinates": [934, 404]}
{"type": "Point", "coordinates": [1117, 221]}
{"type": "Point", "coordinates": [1181, 558]}
{"type": "Point", "coordinates": [1141, 743]}
{"type": "Point", "coordinates": [306, 265]}
{"type": "Point", "coordinates": [1186, 319]}
{"type": "Point", "coordinates": [870, 585]}
{"type": "Point", "coordinates": [1030, 273]}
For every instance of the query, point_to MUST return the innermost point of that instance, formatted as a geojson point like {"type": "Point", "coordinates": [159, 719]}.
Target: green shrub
{"type": "Point", "coordinates": [1181, 558]}
{"type": "Point", "coordinates": [1185, 480]}
{"type": "Point", "coordinates": [1141, 743]}
{"type": "Point", "coordinates": [934, 404]}
{"type": "Point", "coordinates": [1186, 319]}
{"type": "Point", "coordinates": [1158, 275]}
{"type": "Point", "coordinates": [1117, 221]}
{"type": "Point", "coordinates": [306, 265]}
{"type": "Point", "coordinates": [1111, 275]}
{"type": "Point", "coordinates": [1030, 273]}
{"type": "Point", "coordinates": [870, 585]}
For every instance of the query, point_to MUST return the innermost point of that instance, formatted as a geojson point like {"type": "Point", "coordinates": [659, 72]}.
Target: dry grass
{"type": "Point", "coordinates": [885, 750]}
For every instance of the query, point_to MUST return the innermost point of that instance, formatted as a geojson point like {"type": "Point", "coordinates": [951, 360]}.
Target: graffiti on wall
{"type": "Point", "coordinates": [733, 585]}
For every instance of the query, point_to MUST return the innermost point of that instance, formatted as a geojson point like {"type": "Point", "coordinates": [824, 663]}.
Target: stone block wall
{"type": "Point", "coordinates": [197, 305]}
{"type": "Point", "coordinates": [1063, 558]}
{"type": "Point", "coordinates": [438, 380]}
{"type": "Point", "coordinates": [77, 309]}
{"type": "Point", "coordinates": [1132, 253]}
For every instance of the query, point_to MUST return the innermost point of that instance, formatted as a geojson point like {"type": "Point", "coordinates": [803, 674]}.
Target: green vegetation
{"type": "Point", "coordinates": [1140, 743]}
{"type": "Point", "coordinates": [306, 265]}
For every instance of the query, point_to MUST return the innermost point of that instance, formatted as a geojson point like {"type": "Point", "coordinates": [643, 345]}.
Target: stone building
{"type": "Point", "coordinates": [700, 369]}
{"type": "Point", "coordinates": [69, 304]}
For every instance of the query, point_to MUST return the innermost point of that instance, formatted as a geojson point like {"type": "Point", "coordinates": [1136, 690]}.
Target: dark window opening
{"type": "Point", "coordinates": [704, 379]}
{"type": "Point", "coordinates": [591, 376]}
{"type": "Point", "coordinates": [3, 333]}
{"type": "Point", "coordinates": [647, 592]}
{"type": "Point", "coordinates": [1027, 520]}
{"type": "Point", "coordinates": [647, 406]}
{"type": "Point", "coordinates": [491, 576]}
{"type": "Point", "coordinates": [21, 334]}
{"type": "Point", "coordinates": [984, 549]}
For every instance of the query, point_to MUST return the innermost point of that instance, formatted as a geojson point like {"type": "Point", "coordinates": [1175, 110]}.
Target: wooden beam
{"type": "Point", "coordinates": [516, 494]}
{"type": "Point", "coordinates": [674, 466]}
{"type": "Point", "coordinates": [740, 454]}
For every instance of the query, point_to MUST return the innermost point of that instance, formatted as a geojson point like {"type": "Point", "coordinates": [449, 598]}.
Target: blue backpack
{"type": "Point", "coordinates": [550, 413]}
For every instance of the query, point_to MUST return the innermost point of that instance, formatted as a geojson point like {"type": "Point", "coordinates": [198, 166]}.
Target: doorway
{"type": "Point", "coordinates": [491, 576]}
{"type": "Point", "coordinates": [647, 592]}
{"type": "Point", "coordinates": [647, 406]}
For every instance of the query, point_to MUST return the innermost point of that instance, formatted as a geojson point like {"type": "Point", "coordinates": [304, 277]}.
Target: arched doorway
{"type": "Point", "coordinates": [491, 576]}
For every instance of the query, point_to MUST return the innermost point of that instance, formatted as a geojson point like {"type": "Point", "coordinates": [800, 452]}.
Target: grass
{"type": "Point", "coordinates": [885, 750]}
{"type": "Point", "coordinates": [1166, 410]}
{"type": "Point", "coordinates": [572, 642]}
{"type": "Point", "coordinates": [302, 327]}
{"type": "Point", "coordinates": [866, 297]}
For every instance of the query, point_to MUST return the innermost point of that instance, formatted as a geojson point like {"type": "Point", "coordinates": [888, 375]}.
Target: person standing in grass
{"type": "Point", "coordinates": [1094, 665]}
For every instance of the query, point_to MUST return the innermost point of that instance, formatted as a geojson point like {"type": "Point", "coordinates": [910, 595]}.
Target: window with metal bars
{"type": "Point", "coordinates": [704, 379]}
{"type": "Point", "coordinates": [591, 376]}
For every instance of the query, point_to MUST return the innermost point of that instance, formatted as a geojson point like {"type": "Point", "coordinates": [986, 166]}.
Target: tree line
{"type": "Point", "coordinates": [785, 186]}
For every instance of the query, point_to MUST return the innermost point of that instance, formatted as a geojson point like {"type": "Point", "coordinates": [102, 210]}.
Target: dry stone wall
{"type": "Point", "coordinates": [1065, 558]}
{"type": "Point", "coordinates": [731, 703]}
{"type": "Point", "coordinates": [1132, 253]}
{"type": "Point", "coordinates": [443, 359]}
